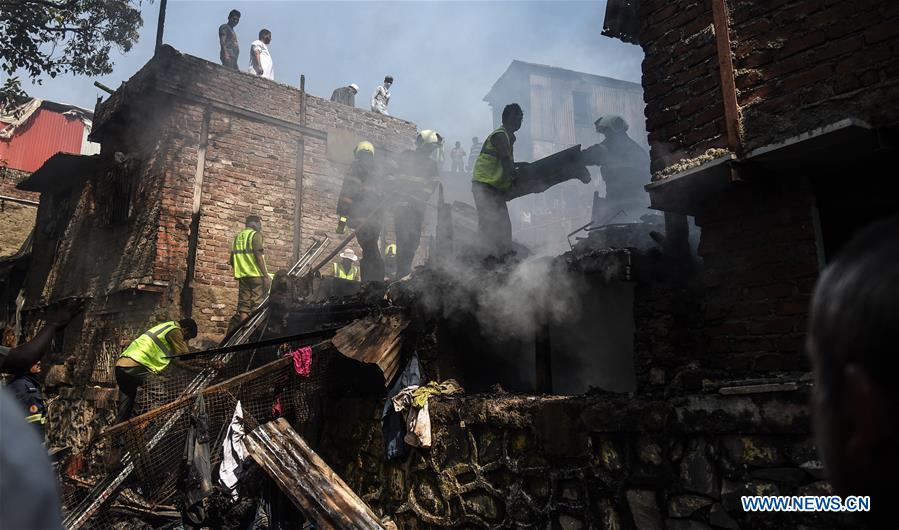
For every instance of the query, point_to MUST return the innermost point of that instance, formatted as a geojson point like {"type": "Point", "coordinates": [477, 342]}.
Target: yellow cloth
{"type": "Point", "coordinates": [421, 394]}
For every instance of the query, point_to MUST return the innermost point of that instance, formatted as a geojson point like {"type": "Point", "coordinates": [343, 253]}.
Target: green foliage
{"type": "Point", "coordinates": [51, 37]}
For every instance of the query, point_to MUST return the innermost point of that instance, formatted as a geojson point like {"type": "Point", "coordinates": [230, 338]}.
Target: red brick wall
{"type": "Point", "coordinates": [681, 84]}
{"type": "Point", "coordinates": [760, 265]}
{"type": "Point", "coordinates": [251, 167]}
{"type": "Point", "coordinates": [805, 64]}
{"type": "Point", "coordinates": [798, 65]}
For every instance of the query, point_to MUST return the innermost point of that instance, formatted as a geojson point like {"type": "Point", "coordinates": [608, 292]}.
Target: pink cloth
{"type": "Point", "coordinates": [302, 360]}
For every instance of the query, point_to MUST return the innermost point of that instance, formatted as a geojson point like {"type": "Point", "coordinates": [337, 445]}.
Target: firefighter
{"type": "Point", "coordinates": [346, 268]}
{"type": "Point", "coordinates": [360, 197]}
{"type": "Point", "coordinates": [147, 355]}
{"type": "Point", "coordinates": [414, 179]}
{"type": "Point", "coordinates": [248, 263]}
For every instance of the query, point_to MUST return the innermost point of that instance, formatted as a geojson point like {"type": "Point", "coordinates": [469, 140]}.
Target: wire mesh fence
{"type": "Point", "coordinates": [264, 380]}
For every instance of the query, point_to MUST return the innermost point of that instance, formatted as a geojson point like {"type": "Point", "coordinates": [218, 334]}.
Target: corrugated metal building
{"type": "Point", "coordinates": [560, 107]}
{"type": "Point", "coordinates": [47, 129]}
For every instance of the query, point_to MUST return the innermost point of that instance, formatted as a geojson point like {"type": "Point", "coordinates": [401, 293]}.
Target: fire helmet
{"type": "Point", "coordinates": [364, 146]}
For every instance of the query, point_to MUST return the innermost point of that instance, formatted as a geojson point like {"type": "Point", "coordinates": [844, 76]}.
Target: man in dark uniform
{"type": "Point", "coordinates": [414, 179]}
{"type": "Point", "coordinates": [360, 196]}
{"type": "Point", "coordinates": [29, 394]}
{"type": "Point", "coordinates": [624, 164]}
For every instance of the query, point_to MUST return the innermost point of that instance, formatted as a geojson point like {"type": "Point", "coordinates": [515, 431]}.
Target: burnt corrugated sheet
{"type": "Point", "coordinates": [622, 20]}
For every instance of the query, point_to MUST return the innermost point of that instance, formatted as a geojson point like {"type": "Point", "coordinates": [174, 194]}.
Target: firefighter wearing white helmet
{"type": "Point", "coordinates": [625, 167]}
{"type": "Point", "coordinates": [361, 194]}
{"type": "Point", "coordinates": [411, 183]}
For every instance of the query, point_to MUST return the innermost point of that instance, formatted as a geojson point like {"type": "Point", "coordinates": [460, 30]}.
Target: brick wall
{"type": "Point", "coordinates": [681, 83]}
{"type": "Point", "coordinates": [805, 64]}
{"type": "Point", "coordinates": [798, 65]}
{"type": "Point", "coordinates": [251, 166]}
{"type": "Point", "coordinates": [760, 265]}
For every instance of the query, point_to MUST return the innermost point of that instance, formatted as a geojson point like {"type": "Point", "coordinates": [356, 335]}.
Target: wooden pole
{"type": "Point", "coordinates": [160, 25]}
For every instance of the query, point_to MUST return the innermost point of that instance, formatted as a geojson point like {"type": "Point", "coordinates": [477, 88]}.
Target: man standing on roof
{"type": "Point", "coordinates": [230, 49]}
{"type": "Point", "coordinates": [345, 95]}
{"type": "Point", "coordinates": [248, 263]}
{"type": "Point", "coordinates": [150, 353]}
{"type": "Point", "coordinates": [381, 96]}
{"type": "Point", "coordinates": [360, 197]}
{"type": "Point", "coordinates": [346, 268]}
{"type": "Point", "coordinates": [260, 59]}
{"type": "Point", "coordinates": [494, 173]}
{"type": "Point", "coordinates": [411, 184]}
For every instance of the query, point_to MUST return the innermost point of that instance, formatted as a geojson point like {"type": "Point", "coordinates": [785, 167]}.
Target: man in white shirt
{"type": "Point", "coordinates": [381, 97]}
{"type": "Point", "coordinates": [260, 59]}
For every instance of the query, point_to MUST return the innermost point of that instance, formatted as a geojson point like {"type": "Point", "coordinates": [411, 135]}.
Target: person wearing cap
{"type": "Point", "coordinates": [409, 186]}
{"type": "Point", "coordinates": [345, 95]}
{"type": "Point", "coordinates": [346, 268]}
{"type": "Point", "coordinates": [248, 263]}
{"type": "Point", "coordinates": [357, 207]}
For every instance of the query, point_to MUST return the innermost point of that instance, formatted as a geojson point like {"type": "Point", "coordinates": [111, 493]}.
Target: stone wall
{"type": "Point", "coordinates": [504, 461]}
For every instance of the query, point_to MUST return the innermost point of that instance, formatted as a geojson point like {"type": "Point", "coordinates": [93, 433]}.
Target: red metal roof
{"type": "Point", "coordinates": [46, 133]}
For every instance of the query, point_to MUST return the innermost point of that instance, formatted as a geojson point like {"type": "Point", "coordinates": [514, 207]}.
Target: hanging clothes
{"type": "Point", "coordinates": [414, 399]}
{"type": "Point", "coordinates": [393, 424]}
{"type": "Point", "coordinates": [234, 453]}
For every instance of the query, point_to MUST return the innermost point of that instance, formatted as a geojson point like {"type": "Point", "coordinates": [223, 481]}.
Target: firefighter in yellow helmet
{"type": "Point", "coordinates": [360, 195]}
{"type": "Point", "coordinates": [413, 180]}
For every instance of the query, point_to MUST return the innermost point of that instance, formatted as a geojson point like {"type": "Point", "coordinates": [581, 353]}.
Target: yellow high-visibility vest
{"type": "Point", "coordinates": [390, 250]}
{"type": "Point", "coordinates": [151, 348]}
{"type": "Point", "coordinates": [352, 275]}
{"type": "Point", "coordinates": [242, 257]}
{"type": "Point", "coordinates": [487, 168]}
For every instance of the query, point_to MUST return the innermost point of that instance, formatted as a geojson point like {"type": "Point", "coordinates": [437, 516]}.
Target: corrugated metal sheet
{"type": "Point", "coordinates": [45, 134]}
{"type": "Point", "coordinates": [542, 126]}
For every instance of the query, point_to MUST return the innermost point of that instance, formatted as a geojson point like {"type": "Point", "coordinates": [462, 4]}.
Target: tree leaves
{"type": "Point", "coordinates": [53, 37]}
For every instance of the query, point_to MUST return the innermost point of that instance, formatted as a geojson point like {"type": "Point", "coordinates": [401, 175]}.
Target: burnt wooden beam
{"type": "Point", "coordinates": [307, 480]}
{"type": "Point", "coordinates": [732, 120]}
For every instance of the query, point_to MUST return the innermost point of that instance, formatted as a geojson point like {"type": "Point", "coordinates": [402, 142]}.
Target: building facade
{"type": "Point", "coordinates": [144, 229]}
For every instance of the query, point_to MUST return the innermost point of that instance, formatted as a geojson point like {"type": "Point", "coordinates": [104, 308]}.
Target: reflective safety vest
{"type": "Point", "coordinates": [152, 348]}
{"type": "Point", "coordinates": [352, 275]}
{"type": "Point", "coordinates": [242, 257]}
{"type": "Point", "coordinates": [487, 168]}
{"type": "Point", "coordinates": [390, 250]}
